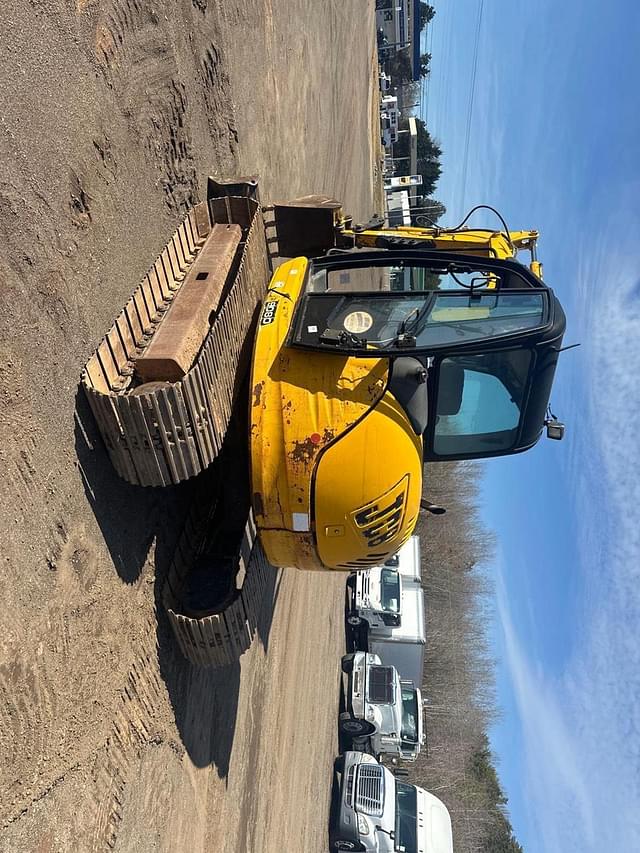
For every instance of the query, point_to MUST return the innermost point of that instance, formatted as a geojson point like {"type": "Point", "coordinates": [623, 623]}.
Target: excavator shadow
{"type": "Point", "coordinates": [142, 526]}
{"type": "Point", "coordinates": [128, 516]}
{"type": "Point", "coordinates": [341, 746]}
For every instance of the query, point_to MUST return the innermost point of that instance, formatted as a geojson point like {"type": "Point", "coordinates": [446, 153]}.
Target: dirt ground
{"type": "Point", "coordinates": [112, 113]}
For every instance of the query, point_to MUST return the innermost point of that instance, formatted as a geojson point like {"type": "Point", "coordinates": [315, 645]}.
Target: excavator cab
{"type": "Point", "coordinates": [472, 347]}
{"type": "Point", "coordinates": [369, 363]}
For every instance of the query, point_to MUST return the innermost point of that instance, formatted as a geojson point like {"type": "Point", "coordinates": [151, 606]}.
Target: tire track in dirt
{"type": "Point", "coordinates": [132, 730]}
{"type": "Point", "coordinates": [139, 64]}
{"type": "Point", "coordinates": [124, 750]}
{"type": "Point", "coordinates": [38, 744]}
{"type": "Point", "coordinates": [215, 86]}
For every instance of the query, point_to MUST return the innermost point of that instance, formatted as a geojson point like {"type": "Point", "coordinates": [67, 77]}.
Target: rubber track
{"type": "Point", "coordinates": [173, 433]}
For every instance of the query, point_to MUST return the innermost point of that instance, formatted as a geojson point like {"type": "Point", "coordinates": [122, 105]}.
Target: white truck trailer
{"type": "Point", "coordinates": [384, 712]}
{"type": "Point", "coordinates": [387, 609]}
{"type": "Point", "coordinates": [380, 814]}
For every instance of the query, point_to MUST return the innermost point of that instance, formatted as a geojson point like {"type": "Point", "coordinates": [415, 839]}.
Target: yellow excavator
{"type": "Point", "coordinates": [373, 350]}
{"type": "Point", "coordinates": [392, 348]}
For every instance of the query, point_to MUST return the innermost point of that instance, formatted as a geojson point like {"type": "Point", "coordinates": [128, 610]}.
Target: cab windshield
{"type": "Point", "coordinates": [410, 712]}
{"type": "Point", "coordinates": [406, 818]}
{"type": "Point", "coordinates": [390, 594]}
{"type": "Point", "coordinates": [410, 307]}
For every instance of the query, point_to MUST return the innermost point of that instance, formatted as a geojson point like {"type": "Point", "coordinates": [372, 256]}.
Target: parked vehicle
{"type": "Point", "coordinates": [388, 131]}
{"type": "Point", "coordinates": [381, 814]}
{"type": "Point", "coordinates": [383, 710]}
{"type": "Point", "coordinates": [388, 612]}
{"type": "Point", "coordinates": [388, 128]}
{"type": "Point", "coordinates": [389, 111]}
{"type": "Point", "coordinates": [384, 82]}
{"type": "Point", "coordinates": [354, 386]}
{"type": "Point", "coordinates": [377, 593]}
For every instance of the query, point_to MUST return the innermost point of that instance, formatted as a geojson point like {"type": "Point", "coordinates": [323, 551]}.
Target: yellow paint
{"type": "Point", "coordinates": [329, 444]}
{"type": "Point", "coordinates": [369, 484]}
{"type": "Point", "coordinates": [493, 244]}
{"type": "Point", "coordinates": [303, 402]}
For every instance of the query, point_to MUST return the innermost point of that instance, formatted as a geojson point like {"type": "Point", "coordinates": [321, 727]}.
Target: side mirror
{"type": "Point", "coordinates": [555, 429]}
{"type": "Point", "coordinates": [391, 833]}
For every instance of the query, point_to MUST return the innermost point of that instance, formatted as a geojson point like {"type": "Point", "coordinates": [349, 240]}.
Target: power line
{"type": "Point", "coordinates": [472, 92]}
{"type": "Point", "coordinates": [427, 79]}
{"type": "Point", "coordinates": [441, 83]}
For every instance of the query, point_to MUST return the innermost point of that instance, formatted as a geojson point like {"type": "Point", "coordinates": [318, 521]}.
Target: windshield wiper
{"type": "Point", "coordinates": [342, 338]}
{"type": "Point", "coordinates": [408, 339]}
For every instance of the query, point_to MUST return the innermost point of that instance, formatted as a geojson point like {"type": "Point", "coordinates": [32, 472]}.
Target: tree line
{"type": "Point", "coordinates": [458, 682]}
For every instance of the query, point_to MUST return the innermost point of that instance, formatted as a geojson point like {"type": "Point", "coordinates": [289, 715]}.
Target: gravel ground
{"type": "Point", "coordinates": [112, 113]}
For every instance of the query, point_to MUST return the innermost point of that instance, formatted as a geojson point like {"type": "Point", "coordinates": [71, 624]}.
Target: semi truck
{"type": "Point", "coordinates": [390, 115]}
{"type": "Point", "coordinates": [382, 594]}
{"type": "Point", "coordinates": [384, 81]}
{"type": "Point", "coordinates": [381, 814]}
{"type": "Point", "coordinates": [387, 612]}
{"type": "Point", "coordinates": [384, 711]}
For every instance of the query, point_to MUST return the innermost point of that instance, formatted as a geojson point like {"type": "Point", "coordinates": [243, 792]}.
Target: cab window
{"type": "Point", "coordinates": [479, 402]}
{"type": "Point", "coordinates": [390, 591]}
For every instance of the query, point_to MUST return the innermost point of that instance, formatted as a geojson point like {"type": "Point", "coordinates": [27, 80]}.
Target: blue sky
{"type": "Point", "coordinates": [555, 145]}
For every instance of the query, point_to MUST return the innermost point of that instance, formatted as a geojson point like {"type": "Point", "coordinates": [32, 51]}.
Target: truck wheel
{"type": "Point", "coordinates": [353, 727]}
{"type": "Point", "coordinates": [354, 620]}
{"type": "Point", "coordinates": [338, 764]}
{"type": "Point", "coordinates": [347, 664]}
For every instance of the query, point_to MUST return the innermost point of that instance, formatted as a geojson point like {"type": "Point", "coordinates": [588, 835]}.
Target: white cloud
{"type": "Point", "coordinates": [580, 739]}
{"type": "Point", "coordinates": [547, 167]}
{"type": "Point", "coordinates": [551, 759]}
{"type": "Point", "coordinates": [581, 726]}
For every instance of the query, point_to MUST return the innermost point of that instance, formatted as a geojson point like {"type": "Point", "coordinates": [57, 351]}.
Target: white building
{"type": "Point", "coordinates": [399, 21]}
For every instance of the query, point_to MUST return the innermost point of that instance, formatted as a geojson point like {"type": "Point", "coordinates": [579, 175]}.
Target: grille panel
{"type": "Point", "coordinates": [370, 789]}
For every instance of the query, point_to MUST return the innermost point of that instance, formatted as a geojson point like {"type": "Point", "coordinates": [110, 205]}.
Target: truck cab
{"type": "Point", "coordinates": [378, 593]}
{"type": "Point", "coordinates": [379, 813]}
{"type": "Point", "coordinates": [384, 711]}
{"type": "Point", "coordinates": [377, 597]}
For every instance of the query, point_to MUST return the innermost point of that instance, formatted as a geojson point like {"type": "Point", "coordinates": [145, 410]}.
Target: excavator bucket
{"type": "Point", "coordinates": [307, 226]}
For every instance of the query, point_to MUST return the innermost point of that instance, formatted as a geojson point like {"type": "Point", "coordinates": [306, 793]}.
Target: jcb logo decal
{"type": "Point", "coordinates": [380, 520]}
